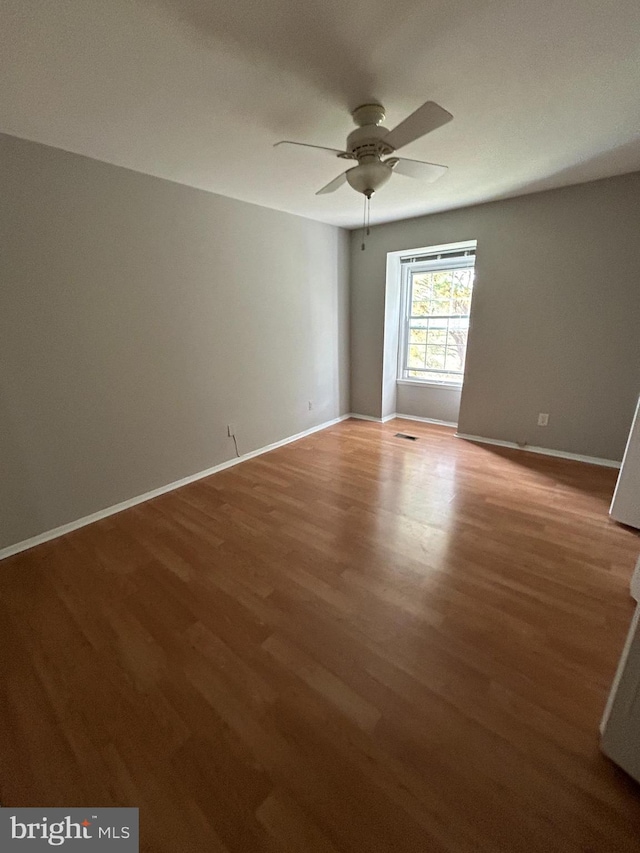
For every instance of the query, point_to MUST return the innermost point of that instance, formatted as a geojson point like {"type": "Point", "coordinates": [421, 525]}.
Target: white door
{"type": "Point", "coordinates": [625, 506]}
{"type": "Point", "coordinates": [621, 722]}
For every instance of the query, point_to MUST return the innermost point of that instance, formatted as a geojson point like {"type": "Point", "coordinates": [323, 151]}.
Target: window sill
{"type": "Point", "coordinates": [423, 383]}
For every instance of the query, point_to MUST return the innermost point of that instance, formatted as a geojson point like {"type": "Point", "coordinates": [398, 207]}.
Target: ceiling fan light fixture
{"type": "Point", "coordinates": [369, 177]}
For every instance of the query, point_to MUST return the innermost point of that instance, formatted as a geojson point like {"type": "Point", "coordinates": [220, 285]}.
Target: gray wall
{"type": "Point", "coordinates": [555, 319]}
{"type": "Point", "coordinates": [137, 318]}
{"type": "Point", "coordinates": [440, 404]}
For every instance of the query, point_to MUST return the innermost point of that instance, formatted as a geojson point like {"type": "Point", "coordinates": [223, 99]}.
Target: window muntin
{"type": "Point", "coordinates": [437, 301]}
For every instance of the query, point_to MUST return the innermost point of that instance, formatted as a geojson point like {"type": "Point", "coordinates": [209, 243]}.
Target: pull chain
{"type": "Point", "coordinates": [366, 219]}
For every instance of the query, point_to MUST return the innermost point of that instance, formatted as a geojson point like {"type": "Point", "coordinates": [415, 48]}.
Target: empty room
{"type": "Point", "coordinates": [319, 426]}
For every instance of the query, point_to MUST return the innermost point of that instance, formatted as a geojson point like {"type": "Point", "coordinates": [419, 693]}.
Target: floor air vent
{"type": "Point", "coordinates": [408, 437]}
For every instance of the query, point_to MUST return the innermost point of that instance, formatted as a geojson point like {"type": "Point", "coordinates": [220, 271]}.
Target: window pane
{"type": "Point", "coordinates": [421, 289]}
{"type": "Point", "coordinates": [454, 359]}
{"type": "Point", "coordinates": [461, 306]}
{"type": "Point", "coordinates": [462, 291]}
{"type": "Point", "coordinates": [437, 335]}
{"type": "Point", "coordinates": [418, 336]}
{"type": "Point", "coordinates": [417, 356]}
{"type": "Point", "coordinates": [457, 338]}
{"type": "Point", "coordinates": [459, 323]}
{"type": "Point", "coordinates": [462, 281]}
{"type": "Point", "coordinates": [435, 356]}
{"type": "Point", "coordinates": [420, 308]}
{"type": "Point", "coordinates": [441, 283]}
{"type": "Point", "coordinates": [439, 306]}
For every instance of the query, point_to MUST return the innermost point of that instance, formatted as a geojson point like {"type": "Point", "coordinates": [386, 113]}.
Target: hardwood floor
{"type": "Point", "coordinates": [353, 643]}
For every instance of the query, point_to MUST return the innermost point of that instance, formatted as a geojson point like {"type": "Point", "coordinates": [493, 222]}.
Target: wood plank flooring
{"type": "Point", "coordinates": [353, 643]}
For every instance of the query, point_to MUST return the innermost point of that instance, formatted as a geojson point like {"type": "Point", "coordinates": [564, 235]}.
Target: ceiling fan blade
{"type": "Point", "coordinates": [419, 169]}
{"type": "Point", "coordinates": [335, 184]}
{"type": "Point", "coordinates": [428, 117]}
{"type": "Point", "coordinates": [343, 154]}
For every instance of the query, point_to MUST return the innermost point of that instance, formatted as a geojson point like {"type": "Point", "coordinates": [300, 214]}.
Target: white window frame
{"type": "Point", "coordinates": [434, 264]}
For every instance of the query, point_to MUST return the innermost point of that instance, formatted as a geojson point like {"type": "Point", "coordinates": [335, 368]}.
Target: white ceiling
{"type": "Point", "coordinates": [544, 93]}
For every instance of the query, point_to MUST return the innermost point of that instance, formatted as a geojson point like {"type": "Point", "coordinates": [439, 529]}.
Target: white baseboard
{"type": "Point", "coordinates": [48, 535]}
{"type": "Point", "coordinates": [405, 417]}
{"type": "Point", "coordinates": [369, 418]}
{"type": "Point", "coordinates": [388, 418]}
{"type": "Point", "coordinates": [426, 420]}
{"type": "Point", "coordinates": [545, 451]}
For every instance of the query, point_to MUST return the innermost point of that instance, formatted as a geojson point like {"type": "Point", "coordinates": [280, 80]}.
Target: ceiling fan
{"type": "Point", "coordinates": [370, 142]}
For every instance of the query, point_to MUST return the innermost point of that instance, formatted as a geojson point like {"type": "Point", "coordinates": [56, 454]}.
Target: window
{"type": "Point", "coordinates": [436, 290]}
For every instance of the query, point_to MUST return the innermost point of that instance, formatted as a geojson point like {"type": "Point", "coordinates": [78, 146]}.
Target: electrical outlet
{"type": "Point", "coordinates": [310, 405]}
{"type": "Point", "coordinates": [231, 430]}
{"type": "Point", "coordinates": [543, 419]}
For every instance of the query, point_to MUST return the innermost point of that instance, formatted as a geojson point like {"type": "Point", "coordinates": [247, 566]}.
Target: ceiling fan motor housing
{"type": "Point", "coordinates": [368, 141]}
{"type": "Point", "coordinates": [366, 144]}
